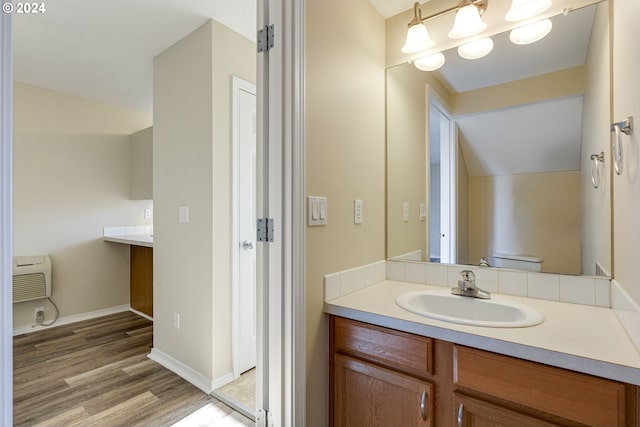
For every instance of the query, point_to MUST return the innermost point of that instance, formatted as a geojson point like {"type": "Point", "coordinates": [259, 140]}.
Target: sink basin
{"type": "Point", "coordinates": [497, 312]}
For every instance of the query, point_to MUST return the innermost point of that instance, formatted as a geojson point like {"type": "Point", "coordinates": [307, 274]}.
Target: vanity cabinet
{"type": "Point", "coordinates": [380, 376]}
{"type": "Point", "coordinates": [141, 279]}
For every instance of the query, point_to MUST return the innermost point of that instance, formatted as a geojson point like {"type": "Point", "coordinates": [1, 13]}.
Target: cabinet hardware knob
{"type": "Point", "coordinates": [460, 412]}
{"type": "Point", "coordinates": [423, 406]}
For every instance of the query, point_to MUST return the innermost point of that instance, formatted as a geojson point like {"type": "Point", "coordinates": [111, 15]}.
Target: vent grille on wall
{"type": "Point", "coordinates": [31, 278]}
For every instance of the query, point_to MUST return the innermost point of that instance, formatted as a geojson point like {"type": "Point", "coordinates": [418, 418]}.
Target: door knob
{"type": "Point", "coordinates": [247, 245]}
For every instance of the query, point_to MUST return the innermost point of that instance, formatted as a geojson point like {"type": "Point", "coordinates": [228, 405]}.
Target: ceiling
{"type": "Point", "coordinates": [104, 50]}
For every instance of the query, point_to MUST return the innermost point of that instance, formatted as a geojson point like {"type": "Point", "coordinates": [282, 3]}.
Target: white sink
{"type": "Point", "coordinates": [497, 312]}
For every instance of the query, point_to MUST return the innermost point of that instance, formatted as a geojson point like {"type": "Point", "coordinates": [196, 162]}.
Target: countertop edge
{"type": "Point", "coordinates": [599, 368]}
{"type": "Point", "coordinates": [133, 240]}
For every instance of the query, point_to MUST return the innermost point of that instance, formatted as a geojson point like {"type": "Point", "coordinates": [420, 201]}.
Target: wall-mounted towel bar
{"type": "Point", "coordinates": [596, 160]}
{"type": "Point", "coordinates": [626, 127]}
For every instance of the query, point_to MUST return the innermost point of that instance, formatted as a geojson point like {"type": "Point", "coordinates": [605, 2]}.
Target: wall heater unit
{"type": "Point", "coordinates": [31, 278]}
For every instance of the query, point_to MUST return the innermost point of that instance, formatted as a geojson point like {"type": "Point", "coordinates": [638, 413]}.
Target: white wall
{"type": "Point", "coordinates": [345, 160]}
{"type": "Point", "coordinates": [192, 161]}
{"type": "Point", "coordinates": [596, 110]}
{"type": "Point", "coordinates": [71, 179]}
{"type": "Point", "coordinates": [626, 187]}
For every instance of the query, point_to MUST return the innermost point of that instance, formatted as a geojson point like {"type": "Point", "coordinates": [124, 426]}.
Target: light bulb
{"type": "Point", "coordinates": [417, 40]}
{"type": "Point", "coordinates": [476, 49]}
{"type": "Point", "coordinates": [524, 9]}
{"type": "Point", "coordinates": [531, 33]}
{"type": "Point", "coordinates": [429, 62]}
{"type": "Point", "coordinates": [467, 23]}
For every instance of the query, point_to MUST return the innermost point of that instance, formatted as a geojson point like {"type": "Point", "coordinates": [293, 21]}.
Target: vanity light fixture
{"type": "Point", "coordinates": [417, 36]}
{"type": "Point", "coordinates": [531, 33]}
{"type": "Point", "coordinates": [467, 23]}
{"type": "Point", "coordinates": [476, 49]}
{"type": "Point", "coordinates": [429, 62]}
{"type": "Point", "coordinates": [525, 9]}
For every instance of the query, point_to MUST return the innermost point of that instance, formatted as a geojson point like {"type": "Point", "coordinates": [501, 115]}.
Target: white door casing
{"type": "Point", "coordinates": [244, 203]}
{"type": "Point", "coordinates": [6, 218]}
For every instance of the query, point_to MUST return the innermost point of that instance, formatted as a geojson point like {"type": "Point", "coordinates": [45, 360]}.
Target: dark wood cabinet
{"type": "Point", "coordinates": [141, 270]}
{"type": "Point", "coordinates": [381, 377]}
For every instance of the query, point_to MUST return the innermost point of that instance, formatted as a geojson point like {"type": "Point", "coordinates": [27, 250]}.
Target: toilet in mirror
{"type": "Point", "coordinates": [490, 160]}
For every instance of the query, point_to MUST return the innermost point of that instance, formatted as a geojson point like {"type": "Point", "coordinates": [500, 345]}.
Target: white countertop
{"type": "Point", "coordinates": [578, 337]}
{"type": "Point", "coordinates": [132, 239]}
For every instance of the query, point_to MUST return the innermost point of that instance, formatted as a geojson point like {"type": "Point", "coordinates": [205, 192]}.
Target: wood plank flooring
{"type": "Point", "coordinates": [96, 373]}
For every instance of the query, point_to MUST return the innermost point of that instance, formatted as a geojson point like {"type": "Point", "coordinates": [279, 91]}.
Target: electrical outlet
{"type": "Point", "coordinates": [39, 314]}
{"type": "Point", "coordinates": [148, 214]}
{"type": "Point", "coordinates": [176, 320]}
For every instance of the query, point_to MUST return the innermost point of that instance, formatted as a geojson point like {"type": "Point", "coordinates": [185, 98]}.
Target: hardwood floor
{"type": "Point", "coordinates": [96, 373]}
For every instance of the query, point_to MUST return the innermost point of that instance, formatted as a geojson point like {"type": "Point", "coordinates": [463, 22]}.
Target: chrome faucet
{"type": "Point", "coordinates": [467, 286]}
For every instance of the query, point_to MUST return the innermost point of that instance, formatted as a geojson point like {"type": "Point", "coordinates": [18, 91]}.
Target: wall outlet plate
{"type": "Point", "coordinates": [39, 314]}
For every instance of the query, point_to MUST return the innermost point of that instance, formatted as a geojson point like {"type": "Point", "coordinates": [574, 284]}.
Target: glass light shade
{"type": "Point", "coordinates": [477, 49]}
{"type": "Point", "coordinates": [467, 23]}
{"type": "Point", "coordinates": [531, 33]}
{"type": "Point", "coordinates": [429, 62]}
{"type": "Point", "coordinates": [417, 39]}
{"type": "Point", "coordinates": [524, 9]}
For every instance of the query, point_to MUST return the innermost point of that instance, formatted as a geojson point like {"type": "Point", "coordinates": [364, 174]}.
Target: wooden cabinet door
{"type": "Point", "coordinates": [142, 279]}
{"type": "Point", "coordinates": [366, 395]}
{"type": "Point", "coordinates": [470, 412]}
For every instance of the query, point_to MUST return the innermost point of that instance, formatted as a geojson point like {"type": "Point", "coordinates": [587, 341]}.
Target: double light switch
{"type": "Point", "coordinates": [316, 211]}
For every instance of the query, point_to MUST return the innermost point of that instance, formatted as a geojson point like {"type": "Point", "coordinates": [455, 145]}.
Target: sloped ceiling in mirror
{"type": "Point", "coordinates": [511, 141]}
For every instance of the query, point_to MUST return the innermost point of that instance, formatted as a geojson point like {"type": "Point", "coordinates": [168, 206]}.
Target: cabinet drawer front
{"type": "Point", "coordinates": [407, 352]}
{"type": "Point", "coordinates": [571, 395]}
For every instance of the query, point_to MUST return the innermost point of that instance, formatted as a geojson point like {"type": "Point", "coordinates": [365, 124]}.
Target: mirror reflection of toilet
{"type": "Point", "coordinates": [519, 262]}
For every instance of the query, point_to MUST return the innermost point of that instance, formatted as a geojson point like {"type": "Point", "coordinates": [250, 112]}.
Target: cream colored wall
{"type": "Point", "coordinates": [345, 159]}
{"type": "Point", "coordinates": [142, 164]}
{"type": "Point", "coordinates": [596, 203]}
{"type": "Point", "coordinates": [71, 179]}
{"type": "Point", "coordinates": [182, 161]}
{"type": "Point", "coordinates": [527, 214]}
{"type": "Point", "coordinates": [407, 172]}
{"type": "Point", "coordinates": [626, 187]}
{"type": "Point", "coordinates": [192, 164]}
{"type": "Point", "coordinates": [462, 196]}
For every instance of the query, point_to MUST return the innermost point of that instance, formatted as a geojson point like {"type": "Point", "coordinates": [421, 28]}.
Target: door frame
{"type": "Point", "coordinates": [237, 84]}
{"type": "Point", "coordinates": [281, 373]}
{"type": "Point", "coordinates": [6, 217]}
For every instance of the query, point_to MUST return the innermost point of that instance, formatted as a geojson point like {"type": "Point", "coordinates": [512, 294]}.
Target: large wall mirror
{"type": "Point", "coordinates": [500, 157]}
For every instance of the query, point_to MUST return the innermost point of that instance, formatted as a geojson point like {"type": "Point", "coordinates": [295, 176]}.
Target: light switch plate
{"type": "Point", "coordinates": [357, 211]}
{"type": "Point", "coordinates": [183, 213]}
{"type": "Point", "coordinates": [405, 212]}
{"type": "Point", "coordinates": [316, 211]}
{"type": "Point", "coordinates": [423, 211]}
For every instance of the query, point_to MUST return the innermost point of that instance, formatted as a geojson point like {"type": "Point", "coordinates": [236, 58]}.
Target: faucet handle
{"type": "Point", "coordinates": [468, 275]}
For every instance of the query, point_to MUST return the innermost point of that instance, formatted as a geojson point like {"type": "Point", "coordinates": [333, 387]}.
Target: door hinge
{"type": "Point", "coordinates": [265, 38]}
{"type": "Point", "coordinates": [262, 416]}
{"type": "Point", "coordinates": [265, 230]}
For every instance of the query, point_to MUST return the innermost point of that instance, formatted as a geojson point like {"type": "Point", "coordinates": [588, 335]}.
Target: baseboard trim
{"type": "Point", "coordinates": [627, 310]}
{"type": "Point", "coordinates": [189, 374]}
{"type": "Point", "coordinates": [141, 314]}
{"type": "Point", "coordinates": [25, 329]}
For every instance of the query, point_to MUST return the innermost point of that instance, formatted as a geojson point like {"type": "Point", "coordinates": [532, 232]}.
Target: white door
{"type": "Point", "coordinates": [245, 176]}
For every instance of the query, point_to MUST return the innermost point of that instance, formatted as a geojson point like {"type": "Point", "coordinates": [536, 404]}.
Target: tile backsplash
{"type": "Point", "coordinates": [129, 230]}
{"type": "Point", "coordinates": [586, 290]}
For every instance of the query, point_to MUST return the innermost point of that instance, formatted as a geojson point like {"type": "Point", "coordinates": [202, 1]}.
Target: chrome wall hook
{"type": "Point", "coordinates": [626, 127]}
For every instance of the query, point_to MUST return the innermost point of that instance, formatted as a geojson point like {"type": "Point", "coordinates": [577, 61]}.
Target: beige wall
{"type": "Point", "coordinates": [596, 203]}
{"type": "Point", "coordinates": [71, 179]}
{"type": "Point", "coordinates": [142, 164]}
{"type": "Point", "coordinates": [527, 214]}
{"type": "Point", "coordinates": [626, 187]}
{"type": "Point", "coordinates": [462, 232]}
{"type": "Point", "coordinates": [345, 153]}
{"type": "Point", "coordinates": [192, 165]}
{"type": "Point", "coordinates": [407, 174]}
